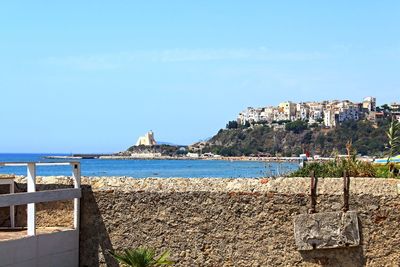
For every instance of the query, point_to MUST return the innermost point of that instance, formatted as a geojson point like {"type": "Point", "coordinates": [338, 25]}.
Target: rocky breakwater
{"type": "Point", "coordinates": [231, 222]}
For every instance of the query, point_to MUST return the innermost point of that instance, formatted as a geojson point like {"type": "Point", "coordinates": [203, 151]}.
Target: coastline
{"type": "Point", "coordinates": [244, 158]}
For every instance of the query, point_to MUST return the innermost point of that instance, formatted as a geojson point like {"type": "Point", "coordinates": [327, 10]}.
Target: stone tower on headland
{"type": "Point", "coordinates": [147, 140]}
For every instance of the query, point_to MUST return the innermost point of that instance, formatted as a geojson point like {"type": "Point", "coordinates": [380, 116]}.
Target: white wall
{"type": "Point", "coordinates": [59, 249]}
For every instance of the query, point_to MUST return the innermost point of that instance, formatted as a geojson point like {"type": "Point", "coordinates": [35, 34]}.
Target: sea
{"type": "Point", "coordinates": [152, 168]}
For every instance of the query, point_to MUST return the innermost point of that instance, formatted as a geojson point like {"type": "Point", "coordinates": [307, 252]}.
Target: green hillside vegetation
{"type": "Point", "coordinates": [352, 166]}
{"type": "Point", "coordinates": [165, 150]}
{"type": "Point", "coordinates": [297, 137]}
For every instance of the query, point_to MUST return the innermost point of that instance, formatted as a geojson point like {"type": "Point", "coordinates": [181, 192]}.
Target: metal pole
{"type": "Point", "coordinates": [313, 195]}
{"type": "Point", "coordinates": [346, 191]}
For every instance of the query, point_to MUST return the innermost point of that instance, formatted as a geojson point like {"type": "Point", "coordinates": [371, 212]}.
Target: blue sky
{"type": "Point", "coordinates": [91, 76]}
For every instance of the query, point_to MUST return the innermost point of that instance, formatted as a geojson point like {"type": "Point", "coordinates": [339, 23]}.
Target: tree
{"type": "Point", "coordinates": [232, 125]}
{"type": "Point", "coordinates": [246, 124]}
{"type": "Point", "coordinates": [142, 257]}
{"type": "Point", "coordinates": [307, 138]}
{"type": "Point", "coordinates": [385, 107]}
{"type": "Point", "coordinates": [296, 126]}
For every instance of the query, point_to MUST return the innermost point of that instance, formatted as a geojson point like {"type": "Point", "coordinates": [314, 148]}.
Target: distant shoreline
{"type": "Point", "coordinates": [299, 160]}
{"type": "Point", "coordinates": [244, 158]}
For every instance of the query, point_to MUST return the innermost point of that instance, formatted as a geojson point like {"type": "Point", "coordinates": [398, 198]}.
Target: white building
{"type": "Point", "coordinates": [193, 155]}
{"type": "Point", "coordinates": [147, 140]}
{"type": "Point", "coordinates": [348, 113]}
{"type": "Point", "coordinates": [395, 106]}
{"type": "Point", "coordinates": [288, 109]}
{"type": "Point", "coordinates": [369, 103]}
{"type": "Point", "coordinates": [316, 112]}
{"type": "Point", "coordinates": [302, 111]}
{"type": "Point", "coordinates": [329, 118]}
{"type": "Point", "coordinates": [252, 115]}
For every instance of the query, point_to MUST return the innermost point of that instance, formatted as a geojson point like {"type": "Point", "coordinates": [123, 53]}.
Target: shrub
{"type": "Point", "coordinates": [232, 125]}
{"type": "Point", "coordinates": [142, 257]}
{"type": "Point", "coordinates": [336, 168]}
{"type": "Point", "coordinates": [296, 126]}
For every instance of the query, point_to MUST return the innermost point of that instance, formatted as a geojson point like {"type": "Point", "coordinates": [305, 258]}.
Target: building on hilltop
{"type": "Point", "coordinates": [288, 109]}
{"type": "Point", "coordinates": [330, 118]}
{"type": "Point", "coordinates": [302, 111]}
{"type": "Point", "coordinates": [395, 110]}
{"type": "Point", "coordinates": [147, 140]}
{"type": "Point", "coordinates": [395, 106]}
{"type": "Point", "coordinates": [340, 111]}
{"type": "Point", "coordinates": [369, 103]}
{"type": "Point", "coordinates": [251, 115]}
{"type": "Point", "coordinates": [348, 113]}
{"type": "Point", "coordinates": [326, 113]}
{"type": "Point", "coordinates": [316, 112]}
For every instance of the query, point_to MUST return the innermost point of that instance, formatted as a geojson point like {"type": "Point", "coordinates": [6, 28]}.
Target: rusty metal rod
{"type": "Point", "coordinates": [313, 191]}
{"type": "Point", "coordinates": [346, 191]}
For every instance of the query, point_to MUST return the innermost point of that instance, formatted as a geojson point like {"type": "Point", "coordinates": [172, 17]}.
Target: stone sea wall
{"type": "Point", "coordinates": [227, 222]}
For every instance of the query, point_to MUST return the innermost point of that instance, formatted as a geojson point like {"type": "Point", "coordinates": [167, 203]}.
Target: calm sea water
{"type": "Point", "coordinates": [154, 168]}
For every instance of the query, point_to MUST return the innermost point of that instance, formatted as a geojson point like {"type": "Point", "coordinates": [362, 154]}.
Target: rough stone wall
{"type": "Point", "coordinates": [232, 222]}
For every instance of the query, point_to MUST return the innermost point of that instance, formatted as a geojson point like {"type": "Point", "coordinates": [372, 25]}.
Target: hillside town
{"type": "Point", "coordinates": [326, 113]}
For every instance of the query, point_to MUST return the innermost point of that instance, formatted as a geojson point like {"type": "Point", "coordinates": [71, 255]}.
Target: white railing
{"type": "Point", "coordinates": [31, 197]}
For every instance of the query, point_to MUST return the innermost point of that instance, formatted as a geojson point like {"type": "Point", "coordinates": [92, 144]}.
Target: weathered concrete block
{"type": "Point", "coordinates": [326, 230]}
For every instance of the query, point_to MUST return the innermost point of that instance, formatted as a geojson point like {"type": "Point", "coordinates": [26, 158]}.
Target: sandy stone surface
{"type": "Point", "coordinates": [333, 186]}
{"type": "Point", "coordinates": [326, 230]}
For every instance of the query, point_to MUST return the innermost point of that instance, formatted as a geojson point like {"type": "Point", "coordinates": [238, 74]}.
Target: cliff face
{"type": "Point", "coordinates": [367, 139]}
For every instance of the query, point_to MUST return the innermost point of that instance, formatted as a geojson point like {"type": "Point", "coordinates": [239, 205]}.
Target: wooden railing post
{"type": "Point", "coordinates": [76, 175]}
{"type": "Point", "coordinates": [31, 181]}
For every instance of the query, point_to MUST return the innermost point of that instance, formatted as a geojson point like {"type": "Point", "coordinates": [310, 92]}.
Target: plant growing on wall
{"type": "Point", "coordinates": [336, 167]}
{"type": "Point", "coordinates": [393, 135]}
{"type": "Point", "coordinates": [142, 257]}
